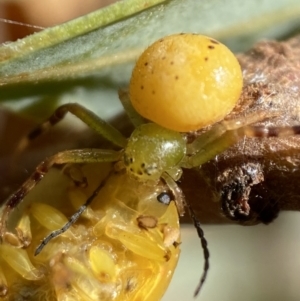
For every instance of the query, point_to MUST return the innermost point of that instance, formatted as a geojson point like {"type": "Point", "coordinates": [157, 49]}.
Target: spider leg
{"type": "Point", "coordinates": [135, 118]}
{"type": "Point", "coordinates": [88, 117]}
{"type": "Point", "coordinates": [70, 156]}
{"type": "Point", "coordinates": [220, 128]}
{"type": "Point", "coordinates": [225, 134]}
{"type": "Point", "coordinates": [176, 191]}
{"type": "Point", "coordinates": [72, 219]}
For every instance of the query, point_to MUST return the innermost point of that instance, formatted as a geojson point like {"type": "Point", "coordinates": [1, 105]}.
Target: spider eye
{"type": "Point", "coordinates": [185, 82]}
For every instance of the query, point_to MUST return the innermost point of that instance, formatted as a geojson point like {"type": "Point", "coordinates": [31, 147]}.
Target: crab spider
{"type": "Point", "coordinates": [179, 90]}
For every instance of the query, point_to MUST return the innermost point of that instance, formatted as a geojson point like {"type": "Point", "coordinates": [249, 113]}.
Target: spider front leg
{"type": "Point", "coordinates": [73, 156]}
{"type": "Point", "coordinates": [88, 117]}
{"type": "Point", "coordinates": [70, 156]}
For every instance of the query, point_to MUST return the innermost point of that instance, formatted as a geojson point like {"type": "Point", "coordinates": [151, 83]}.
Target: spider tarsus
{"type": "Point", "coordinates": [73, 218]}
{"type": "Point", "coordinates": [71, 221]}
{"type": "Point", "coordinates": [47, 239]}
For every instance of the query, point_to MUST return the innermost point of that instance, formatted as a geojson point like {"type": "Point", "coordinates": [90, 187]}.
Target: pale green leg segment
{"type": "Point", "coordinates": [220, 137]}
{"type": "Point", "coordinates": [88, 117]}
{"type": "Point", "coordinates": [212, 149]}
{"type": "Point", "coordinates": [217, 130]}
{"type": "Point", "coordinates": [92, 155]}
{"type": "Point", "coordinates": [135, 118]}
{"type": "Point", "coordinates": [93, 121]}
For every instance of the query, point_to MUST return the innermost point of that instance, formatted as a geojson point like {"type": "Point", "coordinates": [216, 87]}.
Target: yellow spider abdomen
{"type": "Point", "coordinates": [185, 82]}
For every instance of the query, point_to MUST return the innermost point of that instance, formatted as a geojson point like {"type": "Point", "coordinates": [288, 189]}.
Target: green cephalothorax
{"type": "Point", "coordinates": [151, 150]}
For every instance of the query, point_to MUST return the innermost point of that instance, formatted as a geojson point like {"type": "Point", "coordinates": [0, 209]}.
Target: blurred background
{"type": "Point", "coordinates": [41, 14]}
